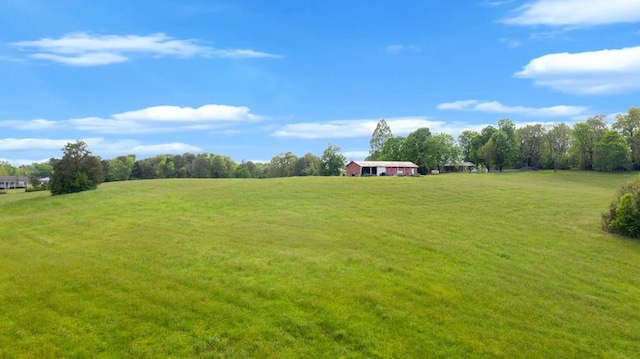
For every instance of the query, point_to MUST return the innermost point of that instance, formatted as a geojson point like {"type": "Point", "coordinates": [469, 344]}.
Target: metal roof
{"type": "Point", "coordinates": [385, 164]}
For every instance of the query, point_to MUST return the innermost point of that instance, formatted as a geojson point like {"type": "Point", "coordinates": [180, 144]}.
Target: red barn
{"type": "Point", "coordinates": [381, 168]}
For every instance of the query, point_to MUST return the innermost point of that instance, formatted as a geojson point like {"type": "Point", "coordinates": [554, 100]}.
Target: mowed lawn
{"type": "Point", "coordinates": [486, 265]}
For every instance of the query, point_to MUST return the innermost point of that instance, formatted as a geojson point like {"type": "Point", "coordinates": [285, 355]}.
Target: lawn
{"type": "Point", "coordinates": [480, 265]}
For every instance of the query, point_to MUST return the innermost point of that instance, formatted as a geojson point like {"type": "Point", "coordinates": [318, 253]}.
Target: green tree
{"type": "Point", "coordinates": [222, 166]}
{"type": "Point", "coordinates": [611, 153]}
{"type": "Point", "coordinates": [77, 171]}
{"type": "Point", "coordinates": [628, 124]}
{"type": "Point", "coordinates": [531, 139]}
{"type": "Point", "coordinates": [623, 216]}
{"type": "Point", "coordinates": [505, 144]}
{"type": "Point", "coordinates": [478, 142]}
{"type": "Point", "coordinates": [332, 161]}
{"type": "Point", "coordinates": [487, 154]}
{"type": "Point", "coordinates": [6, 169]}
{"type": "Point", "coordinates": [120, 168]}
{"type": "Point", "coordinates": [380, 135]}
{"type": "Point", "coordinates": [558, 138]}
{"type": "Point", "coordinates": [308, 165]}
{"type": "Point", "coordinates": [392, 149]}
{"type": "Point", "coordinates": [465, 141]}
{"type": "Point", "coordinates": [629, 127]}
{"type": "Point", "coordinates": [282, 165]}
{"type": "Point", "coordinates": [249, 169]}
{"type": "Point", "coordinates": [585, 136]}
{"type": "Point", "coordinates": [441, 150]}
{"type": "Point", "coordinates": [414, 148]}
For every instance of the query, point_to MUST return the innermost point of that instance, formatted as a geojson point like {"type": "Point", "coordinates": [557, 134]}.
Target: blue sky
{"type": "Point", "coordinates": [251, 79]}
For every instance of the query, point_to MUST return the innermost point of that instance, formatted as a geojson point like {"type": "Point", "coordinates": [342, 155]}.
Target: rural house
{"type": "Point", "coordinates": [8, 182]}
{"type": "Point", "coordinates": [381, 168]}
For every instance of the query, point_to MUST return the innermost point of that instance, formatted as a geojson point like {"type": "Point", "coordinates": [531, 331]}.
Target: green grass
{"type": "Point", "coordinates": [509, 265]}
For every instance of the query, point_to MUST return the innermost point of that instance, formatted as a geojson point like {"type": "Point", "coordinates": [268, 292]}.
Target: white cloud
{"type": "Point", "coordinates": [156, 119]}
{"type": "Point", "coordinates": [21, 161]}
{"type": "Point", "coordinates": [511, 42]}
{"type": "Point", "coordinates": [91, 59]}
{"type": "Point", "coordinates": [497, 107]}
{"type": "Point", "coordinates": [174, 147]}
{"type": "Point", "coordinates": [25, 144]}
{"type": "Point", "coordinates": [594, 72]}
{"type": "Point", "coordinates": [164, 119]}
{"type": "Point", "coordinates": [351, 128]}
{"type": "Point", "coordinates": [188, 114]}
{"type": "Point", "coordinates": [86, 49]}
{"type": "Point", "coordinates": [37, 124]}
{"type": "Point", "coordinates": [399, 49]}
{"type": "Point", "coordinates": [356, 155]}
{"type": "Point", "coordinates": [101, 146]}
{"type": "Point", "coordinates": [576, 12]}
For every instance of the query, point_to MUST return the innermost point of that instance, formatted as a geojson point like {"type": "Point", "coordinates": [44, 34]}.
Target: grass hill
{"type": "Point", "coordinates": [509, 265]}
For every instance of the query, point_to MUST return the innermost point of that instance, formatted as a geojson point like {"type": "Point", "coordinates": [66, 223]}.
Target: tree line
{"type": "Point", "coordinates": [588, 145]}
{"type": "Point", "coordinates": [78, 159]}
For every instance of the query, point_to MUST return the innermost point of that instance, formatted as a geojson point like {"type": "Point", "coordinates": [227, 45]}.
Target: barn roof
{"type": "Point", "coordinates": [385, 164]}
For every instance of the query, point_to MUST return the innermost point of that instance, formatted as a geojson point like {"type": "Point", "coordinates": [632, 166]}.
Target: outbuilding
{"type": "Point", "coordinates": [459, 167]}
{"type": "Point", "coordinates": [8, 182]}
{"type": "Point", "coordinates": [381, 168]}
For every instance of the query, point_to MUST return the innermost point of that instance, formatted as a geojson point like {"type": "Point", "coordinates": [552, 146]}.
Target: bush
{"type": "Point", "coordinates": [624, 213]}
{"type": "Point", "coordinates": [36, 189]}
{"type": "Point", "coordinates": [3, 192]}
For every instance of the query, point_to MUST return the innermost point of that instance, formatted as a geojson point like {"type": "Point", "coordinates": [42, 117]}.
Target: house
{"type": "Point", "coordinates": [459, 167]}
{"type": "Point", "coordinates": [381, 168]}
{"type": "Point", "coordinates": [44, 180]}
{"type": "Point", "coordinates": [8, 182]}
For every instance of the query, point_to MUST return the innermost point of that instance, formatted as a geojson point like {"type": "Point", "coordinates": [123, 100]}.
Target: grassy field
{"type": "Point", "coordinates": [510, 265]}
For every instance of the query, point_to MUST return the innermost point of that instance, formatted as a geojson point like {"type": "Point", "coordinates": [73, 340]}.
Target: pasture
{"type": "Point", "coordinates": [509, 265]}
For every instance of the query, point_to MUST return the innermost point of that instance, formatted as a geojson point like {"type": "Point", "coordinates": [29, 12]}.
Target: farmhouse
{"type": "Point", "coordinates": [8, 182]}
{"type": "Point", "coordinates": [381, 168]}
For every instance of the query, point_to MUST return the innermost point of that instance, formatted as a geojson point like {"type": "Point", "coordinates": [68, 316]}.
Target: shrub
{"type": "Point", "coordinates": [3, 192]}
{"type": "Point", "coordinates": [36, 189]}
{"type": "Point", "coordinates": [624, 212]}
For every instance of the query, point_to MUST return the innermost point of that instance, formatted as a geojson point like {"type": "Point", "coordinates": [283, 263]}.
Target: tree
{"type": "Point", "coordinates": [6, 169]}
{"type": "Point", "coordinates": [77, 171]}
{"type": "Point", "coordinates": [222, 166]}
{"type": "Point", "coordinates": [380, 135]}
{"type": "Point", "coordinates": [308, 165]}
{"type": "Point", "coordinates": [248, 169]}
{"type": "Point", "coordinates": [623, 216]}
{"type": "Point", "coordinates": [487, 154]}
{"type": "Point", "coordinates": [414, 148]}
{"type": "Point", "coordinates": [628, 124]}
{"type": "Point", "coordinates": [392, 149]}
{"type": "Point", "coordinates": [477, 142]}
{"type": "Point", "coordinates": [120, 168]}
{"type": "Point", "coordinates": [611, 153]}
{"type": "Point", "coordinates": [332, 161]}
{"type": "Point", "coordinates": [282, 165]}
{"type": "Point", "coordinates": [558, 138]}
{"type": "Point", "coordinates": [441, 150]}
{"type": "Point", "coordinates": [531, 138]}
{"type": "Point", "coordinates": [585, 136]}
{"type": "Point", "coordinates": [465, 141]}
{"type": "Point", "coordinates": [505, 144]}
{"type": "Point", "coordinates": [629, 127]}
